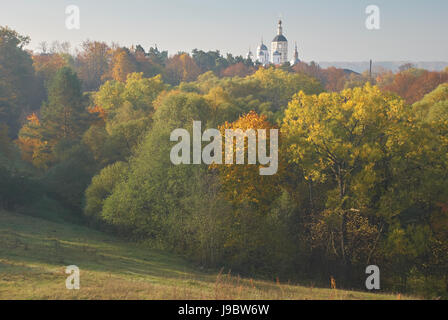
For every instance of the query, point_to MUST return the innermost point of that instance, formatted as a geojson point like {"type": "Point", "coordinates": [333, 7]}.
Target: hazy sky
{"type": "Point", "coordinates": [326, 30]}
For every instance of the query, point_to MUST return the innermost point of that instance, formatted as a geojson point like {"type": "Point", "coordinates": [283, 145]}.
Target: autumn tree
{"type": "Point", "coordinates": [413, 84]}
{"type": "Point", "coordinates": [34, 148]}
{"type": "Point", "coordinates": [150, 65]}
{"type": "Point", "coordinates": [342, 139]}
{"type": "Point", "coordinates": [312, 69]}
{"type": "Point", "coordinates": [63, 117]}
{"type": "Point", "coordinates": [47, 65]}
{"type": "Point", "coordinates": [335, 79]}
{"type": "Point", "coordinates": [243, 183]}
{"type": "Point", "coordinates": [253, 197]}
{"type": "Point", "coordinates": [122, 63]}
{"type": "Point", "coordinates": [92, 64]}
{"type": "Point", "coordinates": [181, 68]}
{"type": "Point", "coordinates": [237, 70]}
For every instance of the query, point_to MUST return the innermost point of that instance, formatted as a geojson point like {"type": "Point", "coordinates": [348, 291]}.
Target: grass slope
{"type": "Point", "coordinates": [35, 252]}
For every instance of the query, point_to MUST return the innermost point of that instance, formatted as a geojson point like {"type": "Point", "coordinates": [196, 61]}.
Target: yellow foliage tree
{"type": "Point", "coordinates": [243, 184]}
{"type": "Point", "coordinates": [121, 65]}
{"type": "Point", "coordinates": [346, 140]}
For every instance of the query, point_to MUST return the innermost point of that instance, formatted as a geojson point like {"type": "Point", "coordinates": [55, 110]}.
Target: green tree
{"type": "Point", "coordinates": [64, 116]}
{"type": "Point", "coordinates": [17, 80]}
{"type": "Point", "coordinates": [101, 188]}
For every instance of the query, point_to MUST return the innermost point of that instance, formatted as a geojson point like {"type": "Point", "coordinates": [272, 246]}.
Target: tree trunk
{"type": "Point", "coordinates": [310, 189]}
{"type": "Point", "coordinates": [345, 270]}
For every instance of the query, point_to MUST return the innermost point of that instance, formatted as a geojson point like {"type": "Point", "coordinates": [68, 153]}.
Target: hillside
{"type": "Point", "coordinates": [34, 252]}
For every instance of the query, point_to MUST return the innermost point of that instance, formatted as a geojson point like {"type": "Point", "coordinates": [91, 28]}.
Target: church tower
{"type": "Point", "coordinates": [296, 59]}
{"type": "Point", "coordinates": [279, 46]}
{"type": "Point", "coordinates": [262, 54]}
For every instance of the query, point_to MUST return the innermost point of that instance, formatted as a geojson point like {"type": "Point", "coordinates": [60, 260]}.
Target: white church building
{"type": "Point", "coordinates": [279, 50]}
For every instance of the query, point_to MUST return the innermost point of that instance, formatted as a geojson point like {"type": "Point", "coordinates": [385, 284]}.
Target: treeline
{"type": "Point", "coordinates": [98, 62]}
{"type": "Point", "coordinates": [362, 173]}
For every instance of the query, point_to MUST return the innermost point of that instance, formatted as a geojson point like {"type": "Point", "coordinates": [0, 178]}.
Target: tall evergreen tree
{"type": "Point", "coordinates": [64, 115]}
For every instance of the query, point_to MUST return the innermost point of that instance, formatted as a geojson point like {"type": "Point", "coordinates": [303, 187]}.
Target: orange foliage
{"type": "Point", "coordinates": [334, 79]}
{"type": "Point", "coordinates": [332, 283]}
{"type": "Point", "coordinates": [312, 69]}
{"type": "Point", "coordinates": [412, 85]}
{"type": "Point", "coordinates": [121, 65]}
{"type": "Point", "coordinates": [32, 147]}
{"type": "Point", "coordinates": [48, 64]}
{"type": "Point", "coordinates": [239, 69]}
{"type": "Point", "coordinates": [33, 119]}
{"type": "Point", "coordinates": [182, 68]}
{"type": "Point", "coordinates": [102, 114]}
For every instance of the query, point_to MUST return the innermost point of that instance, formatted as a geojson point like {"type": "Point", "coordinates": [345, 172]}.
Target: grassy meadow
{"type": "Point", "coordinates": [34, 253]}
